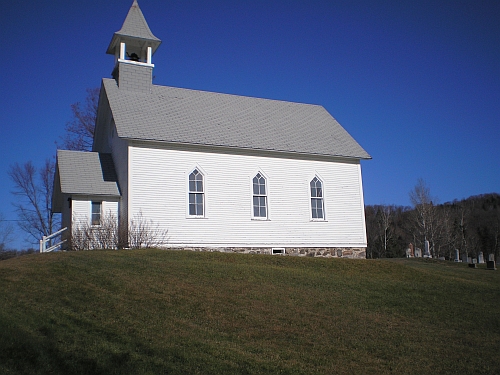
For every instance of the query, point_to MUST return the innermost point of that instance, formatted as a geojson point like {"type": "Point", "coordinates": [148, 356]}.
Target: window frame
{"type": "Point", "coordinates": [316, 198]}
{"type": "Point", "coordinates": [196, 193]}
{"type": "Point", "coordinates": [259, 195]}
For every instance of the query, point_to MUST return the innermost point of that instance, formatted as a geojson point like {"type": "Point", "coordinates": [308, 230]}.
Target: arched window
{"type": "Point", "coordinates": [317, 207]}
{"type": "Point", "coordinates": [259, 196]}
{"type": "Point", "coordinates": [196, 193]}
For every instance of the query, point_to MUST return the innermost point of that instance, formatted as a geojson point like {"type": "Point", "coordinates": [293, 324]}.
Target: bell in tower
{"type": "Point", "coordinates": [133, 47]}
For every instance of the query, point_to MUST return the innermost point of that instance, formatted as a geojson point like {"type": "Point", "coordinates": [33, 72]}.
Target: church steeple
{"type": "Point", "coordinates": [133, 47]}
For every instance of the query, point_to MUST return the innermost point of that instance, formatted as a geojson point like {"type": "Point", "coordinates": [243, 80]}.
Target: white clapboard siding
{"type": "Point", "coordinates": [158, 187]}
{"type": "Point", "coordinates": [82, 209]}
{"type": "Point", "coordinates": [80, 212]}
{"type": "Point", "coordinates": [110, 208]}
{"type": "Point", "coordinates": [119, 151]}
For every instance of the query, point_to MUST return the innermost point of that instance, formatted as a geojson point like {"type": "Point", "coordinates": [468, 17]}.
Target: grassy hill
{"type": "Point", "coordinates": [173, 312]}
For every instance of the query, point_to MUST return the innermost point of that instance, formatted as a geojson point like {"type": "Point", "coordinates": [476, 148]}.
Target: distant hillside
{"type": "Point", "coordinates": [470, 225]}
{"type": "Point", "coordinates": [181, 312]}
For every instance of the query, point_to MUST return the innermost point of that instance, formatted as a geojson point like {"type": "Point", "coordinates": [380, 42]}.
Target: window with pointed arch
{"type": "Point", "coordinates": [196, 194]}
{"type": "Point", "coordinates": [259, 197]}
{"type": "Point", "coordinates": [317, 206]}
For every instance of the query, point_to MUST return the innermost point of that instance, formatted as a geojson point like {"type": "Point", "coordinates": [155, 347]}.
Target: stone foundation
{"type": "Point", "coordinates": [323, 252]}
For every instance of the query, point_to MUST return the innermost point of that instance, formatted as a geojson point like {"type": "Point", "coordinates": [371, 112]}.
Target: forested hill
{"type": "Point", "coordinates": [470, 225]}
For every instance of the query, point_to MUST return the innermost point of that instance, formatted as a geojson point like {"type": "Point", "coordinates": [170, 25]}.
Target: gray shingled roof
{"type": "Point", "coordinates": [134, 26]}
{"type": "Point", "coordinates": [87, 173]}
{"type": "Point", "coordinates": [205, 118]}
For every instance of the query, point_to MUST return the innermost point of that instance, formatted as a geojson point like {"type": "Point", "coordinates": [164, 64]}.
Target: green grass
{"type": "Point", "coordinates": [180, 312]}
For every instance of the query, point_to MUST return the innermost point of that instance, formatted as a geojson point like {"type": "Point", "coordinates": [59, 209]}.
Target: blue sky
{"type": "Point", "coordinates": [416, 83]}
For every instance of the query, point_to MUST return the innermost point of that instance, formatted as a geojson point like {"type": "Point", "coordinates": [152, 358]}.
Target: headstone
{"type": "Point", "coordinates": [472, 265]}
{"type": "Point", "coordinates": [418, 253]}
{"type": "Point", "coordinates": [490, 265]}
{"type": "Point", "coordinates": [480, 258]}
{"type": "Point", "coordinates": [474, 260]}
{"type": "Point", "coordinates": [427, 253]}
{"type": "Point", "coordinates": [469, 260]}
{"type": "Point", "coordinates": [412, 250]}
{"type": "Point", "coordinates": [457, 256]}
{"type": "Point", "coordinates": [464, 257]}
{"type": "Point", "coordinates": [491, 257]}
{"type": "Point", "coordinates": [408, 253]}
{"type": "Point", "coordinates": [442, 258]}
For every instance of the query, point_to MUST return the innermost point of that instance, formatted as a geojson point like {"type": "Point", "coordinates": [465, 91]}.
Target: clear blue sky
{"type": "Point", "coordinates": [416, 83]}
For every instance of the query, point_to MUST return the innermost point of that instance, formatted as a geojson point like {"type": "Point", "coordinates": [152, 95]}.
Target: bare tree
{"type": "Point", "coordinates": [462, 227]}
{"type": "Point", "coordinates": [86, 236]}
{"type": "Point", "coordinates": [6, 231]}
{"type": "Point", "coordinates": [384, 221]}
{"type": "Point", "coordinates": [34, 192]}
{"type": "Point", "coordinates": [80, 130]}
{"type": "Point", "coordinates": [142, 233]}
{"type": "Point", "coordinates": [445, 240]}
{"type": "Point", "coordinates": [371, 232]}
{"type": "Point", "coordinates": [425, 221]}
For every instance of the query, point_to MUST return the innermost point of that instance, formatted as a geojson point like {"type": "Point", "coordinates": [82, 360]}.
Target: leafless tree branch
{"type": "Point", "coordinates": [34, 197]}
{"type": "Point", "coordinates": [80, 130]}
{"type": "Point", "coordinates": [6, 232]}
{"type": "Point", "coordinates": [142, 233]}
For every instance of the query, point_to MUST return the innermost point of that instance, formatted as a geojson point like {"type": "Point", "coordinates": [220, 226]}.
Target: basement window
{"type": "Point", "coordinates": [278, 250]}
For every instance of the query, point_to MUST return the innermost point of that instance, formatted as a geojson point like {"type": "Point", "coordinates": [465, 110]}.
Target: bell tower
{"type": "Point", "coordinates": [133, 47]}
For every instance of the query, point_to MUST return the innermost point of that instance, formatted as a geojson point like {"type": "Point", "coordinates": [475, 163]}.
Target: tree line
{"type": "Point", "coordinates": [470, 225]}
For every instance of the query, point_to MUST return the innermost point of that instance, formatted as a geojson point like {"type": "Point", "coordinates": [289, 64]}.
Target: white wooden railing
{"type": "Point", "coordinates": [45, 239]}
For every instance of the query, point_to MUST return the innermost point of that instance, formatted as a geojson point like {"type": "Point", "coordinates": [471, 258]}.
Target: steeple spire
{"type": "Point", "coordinates": [136, 29]}
{"type": "Point", "coordinates": [133, 47]}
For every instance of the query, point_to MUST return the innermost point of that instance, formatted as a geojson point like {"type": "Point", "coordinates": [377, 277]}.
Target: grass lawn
{"type": "Point", "coordinates": [181, 312]}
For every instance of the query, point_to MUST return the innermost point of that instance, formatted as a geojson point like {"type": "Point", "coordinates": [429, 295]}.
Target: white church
{"type": "Point", "coordinates": [217, 172]}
